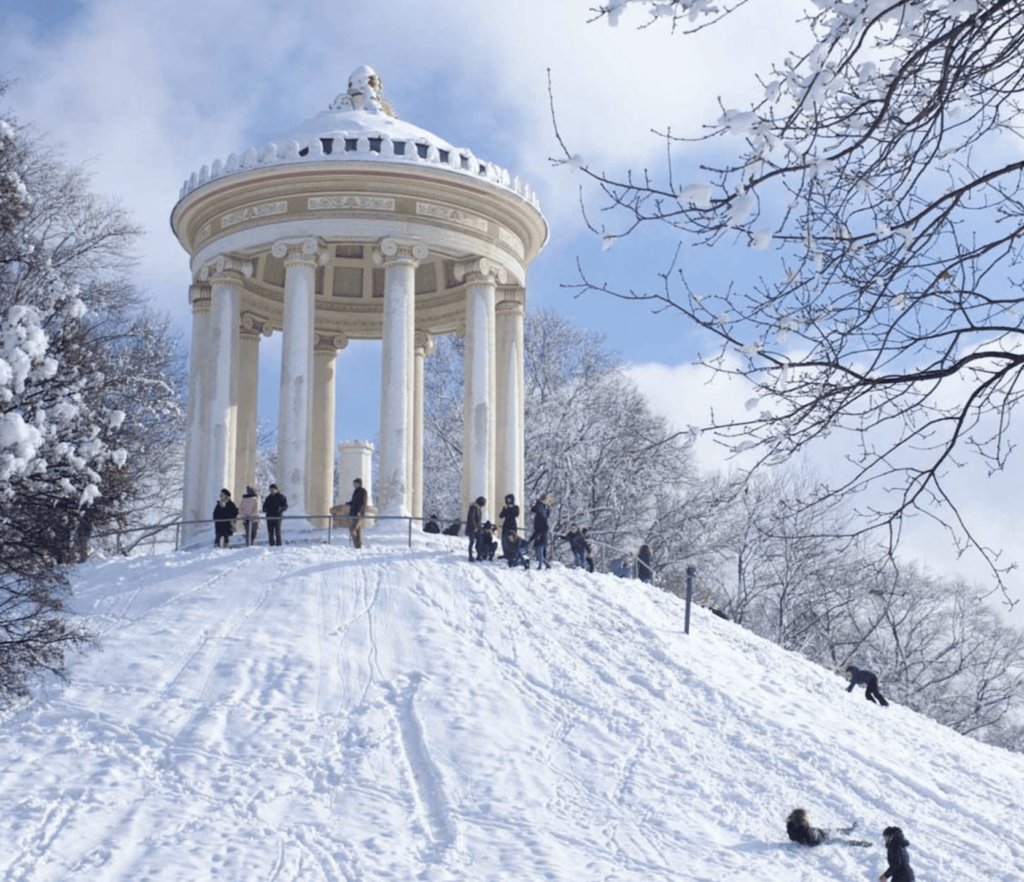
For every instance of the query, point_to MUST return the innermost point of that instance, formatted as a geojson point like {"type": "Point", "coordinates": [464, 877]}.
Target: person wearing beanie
{"type": "Point", "coordinates": [509, 524]}
{"type": "Point", "coordinates": [224, 514]}
{"type": "Point", "coordinates": [274, 507]}
{"type": "Point", "coordinates": [899, 861]}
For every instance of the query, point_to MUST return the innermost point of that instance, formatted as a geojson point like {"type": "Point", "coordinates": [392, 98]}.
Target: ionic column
{"type": "Point", "coordinates": [320, 486]}
{"type": "Point", "coordinates": [399, 259]}
{"type": "Point", "coordinates": [478, 451]}
{"type": "Point", "coordinates": [226, 276]}
{"type": "Point", "coordinates": [199, 371]}
{"type": "Point", "coordinates": [250, 330]}
{"type": "Point", "coordinates": [296, 402]}
{"type": "Point", "coordinates": [424, 345]}
{"type": "Point", "coordinates": [510, 400]}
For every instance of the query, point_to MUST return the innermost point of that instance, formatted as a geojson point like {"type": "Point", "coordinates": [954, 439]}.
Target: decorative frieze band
{"type": "Point", "coordinates": [512, 240]}
{"type": "Point", "coordinates": [363, 203]}
{"type": "Point", "coordinates": [444, 212]}
{"type": "Point", "coordinates": [249, 212]}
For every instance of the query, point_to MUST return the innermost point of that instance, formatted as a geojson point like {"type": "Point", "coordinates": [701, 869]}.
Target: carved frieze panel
{"type": "Point", "coordinates": [359, 203]}
{"type": "Point", "coordinates": [252, 212]}
{"type": "Point", "coordinates": [454, 215]}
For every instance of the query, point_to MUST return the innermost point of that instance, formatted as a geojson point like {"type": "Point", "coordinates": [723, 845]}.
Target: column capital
{"type": "Point", "coordinates": [253, 326]}
{"type": "Point", "coordinates": [226, 268]}
{"type": "Point", "coordinates": [511, 301]}
{"type": "Point", "coordinates": [300, 251]}
{"type": "Point", "coordinates": [423, 342]}
{"type": "Point", "coordinates": [328, 345]}
{"type": "Point", "coordinates": [392, 251]}
{"type": "Point", "coordinates": [199, 298]}
{"type": "Point", "coordinates": [480, 269]}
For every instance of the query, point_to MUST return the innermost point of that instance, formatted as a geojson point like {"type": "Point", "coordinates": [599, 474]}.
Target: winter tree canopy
{"type": "Point", "coordinates": [875, 181]}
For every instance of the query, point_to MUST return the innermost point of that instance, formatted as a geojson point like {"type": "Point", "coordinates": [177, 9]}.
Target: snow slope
{"type": "Point", "coordinates": [319, 713]}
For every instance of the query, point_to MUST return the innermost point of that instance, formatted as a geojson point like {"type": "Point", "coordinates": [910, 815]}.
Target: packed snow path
{"type": "Point", "coordinates": [318, 713]}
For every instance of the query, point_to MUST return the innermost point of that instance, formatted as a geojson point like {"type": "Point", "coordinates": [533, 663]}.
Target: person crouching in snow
{"type": "Point", "coordinates": [857, 676]}
{"type": "Point", "coordinates": [899, 862]}
{"type": "Point", "coordinates": [801, 831]}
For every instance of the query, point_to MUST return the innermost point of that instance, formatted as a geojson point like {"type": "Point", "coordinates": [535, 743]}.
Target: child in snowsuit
{"type": "Point", "coordinates": [896, 850]}
{"type": "Point", "coordinates": [857, 676]}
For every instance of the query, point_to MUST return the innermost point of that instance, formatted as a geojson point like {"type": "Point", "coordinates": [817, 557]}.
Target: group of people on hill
{"type": "Point", "coordinates": [226, 516]}
{"type": "Point", "coordinates": [229, 518]}
{"type": "Point", "coordinates": [485, 538]}
{"type": "Point", "coordinates": [800, 831]}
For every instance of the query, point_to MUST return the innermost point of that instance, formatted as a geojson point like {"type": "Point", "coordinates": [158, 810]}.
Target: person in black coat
{"type": "Point", "coordinates": [800, 831]}
{"type": "Point", "coordinates": [899, 861]}
{"type": "Point", "coordinates": [857, 676]}
{"type": "Point", "coordinates": [578, 545]}
{"type": "Point", "coordinates": [643, 564]}
{"type": "Point", "coordinates": [589, 550]}
{"type": "Point", "coordinates": [357, 513]}
{"type": "Point", "coordinates": [433, 525]}
{"type": "Point", "coordinates": [274, 507]}
{"type": "Point", "coordinates": [541, 512]}
{"type": "Point", "coordinates": [224, 514]}
{"type": "Point", "coordinates": [474, 524]}
{"type": "Point", "coordinates": [509, 515]}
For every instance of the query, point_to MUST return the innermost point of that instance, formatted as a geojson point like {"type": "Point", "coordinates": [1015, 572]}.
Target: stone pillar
{"type": "Point", "coordinates": [252, 327]}
{"type": "Point", "coordinates": [478, 452]}
{"type": "Point", "coordinates": [296, 403]}
{"type": "Point", "coordinates": [194, 506]}
{"type": "Point", "coordinates": [510, 402]}
{"type": "Point", "coordinates": [226, 276]}
{"type": "Point", "coordinates": [356, 461]}
{"type": "Point", "coordinates": [399, 259]}
{"type": "Point", "coordinates": [320, 486]}
{"type": "Point", "coordinates": [423, 347]}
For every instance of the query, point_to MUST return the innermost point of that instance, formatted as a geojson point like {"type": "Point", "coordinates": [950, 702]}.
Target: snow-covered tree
{"type": "Point", "coordinates": [84, 381]}
{"type": "Point", "coordinates": [875, 183]}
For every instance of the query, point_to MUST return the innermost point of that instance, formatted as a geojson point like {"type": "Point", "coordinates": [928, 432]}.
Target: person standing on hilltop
{"type": "Point", "coordinates": [274, 507]}
{"type": "Point", "coordinates": [474, 525]}
{"type": "Point", "coordinates": [541, 513]}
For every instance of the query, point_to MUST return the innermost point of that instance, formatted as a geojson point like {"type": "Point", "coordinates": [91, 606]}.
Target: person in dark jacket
{"type": "Point", "coordinates": [541, 512]}
{"type": "Point", "coordinates": [433, 525]}
{"type": "Point", "coordinates": [644, 571]}
{"type": "Point", "coordinates": [274, 507]}
{"type": "Point", "coordinates": [453, 528]}
{"type": "Point", "coordinates": [509, 515]}
{"type": "Point", "coordinates": [858, 676]}
{"type": "Point", "coordinates": [224, 514]}
{"type": "Point", "coordinates": [800, 831]}
{"type": "Point", "coordinates": [474, 524]}
{"type": "Point", "coordinates": [578, 545]}
{"type": "Point", "coordinates": [357, 513]}
{"type": "Point", "coordinates": [488, 545]}
{"type": "Point", "coordinates": [899, 861]}
{"type": "Point", "coordinates": [518, 550]}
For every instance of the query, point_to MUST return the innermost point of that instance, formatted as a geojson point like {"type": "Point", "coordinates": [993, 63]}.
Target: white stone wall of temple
{"type": "Point", "coordinates": [320, 484]}
{"type": "Point", "coordinates": [509, 398]}
{"type": "Point", "coordinates": [199, 371]}
{"type": "Point", "coordinates": [295, 405]}
{"type": "Point", "coordinates": [246, 421]}
{"type": "Point", "coordinates": [399, 259]}
{"type": "Point", "coordinates": [225, 277]}
{"type": "Point", "coordinates": [479, 364]}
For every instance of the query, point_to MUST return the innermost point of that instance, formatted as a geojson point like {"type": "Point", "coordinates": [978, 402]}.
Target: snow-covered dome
{"type": "Point", "coordinates": [360, 125]}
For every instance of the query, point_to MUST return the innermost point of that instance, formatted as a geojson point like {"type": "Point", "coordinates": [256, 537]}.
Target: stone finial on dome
{"type": "Point", "coordinates": [364, 93]}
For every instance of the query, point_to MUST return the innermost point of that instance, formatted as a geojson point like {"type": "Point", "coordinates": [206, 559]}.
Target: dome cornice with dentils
{"type": "Point", "coordinates": [360, 125]}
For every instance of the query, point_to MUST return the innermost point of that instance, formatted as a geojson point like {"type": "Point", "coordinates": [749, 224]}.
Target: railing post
{"type": "Point", "coordinates": [690, 573]}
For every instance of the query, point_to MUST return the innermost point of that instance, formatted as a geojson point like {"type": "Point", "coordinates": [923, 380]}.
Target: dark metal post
{"type": "Point", "coordinates": [690, 573]}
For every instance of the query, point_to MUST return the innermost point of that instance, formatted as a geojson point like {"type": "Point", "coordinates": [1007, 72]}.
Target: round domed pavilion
{"type": "Point", "coordinates": [355, 225]}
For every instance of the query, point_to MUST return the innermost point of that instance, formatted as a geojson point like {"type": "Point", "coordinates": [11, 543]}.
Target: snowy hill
{"type": "Point", "coordinates": [318, 713]}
